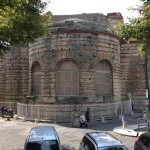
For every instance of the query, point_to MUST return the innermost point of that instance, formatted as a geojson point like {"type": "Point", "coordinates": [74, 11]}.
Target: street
{"type": "Point", "coordinates": [13, 133]}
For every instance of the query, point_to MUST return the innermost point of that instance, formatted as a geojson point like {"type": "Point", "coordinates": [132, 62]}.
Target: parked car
{"type": "Point", "coordinates": [143, 142]}
{"type": "Point", "coordinates": [100, 141]}
{"type": "Point", "coordinates": [42, 138]}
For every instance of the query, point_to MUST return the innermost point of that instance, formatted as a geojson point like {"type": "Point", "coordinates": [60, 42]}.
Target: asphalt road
{"type": "Point", "coordinates": [13, 133]}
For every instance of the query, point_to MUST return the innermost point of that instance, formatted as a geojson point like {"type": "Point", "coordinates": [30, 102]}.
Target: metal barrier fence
{"type": "Point", "coordinates": [143, 124]}
{"type": "Point", "coordinates": [62, 113]}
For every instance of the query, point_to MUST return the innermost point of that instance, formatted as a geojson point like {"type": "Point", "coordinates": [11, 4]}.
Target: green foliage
{"type": "Point", "coordinates": [21, 22]}
{"type": "Point", "coordinates": [74, 99]}
{"type": "Point", "coordinates": [138, 29]}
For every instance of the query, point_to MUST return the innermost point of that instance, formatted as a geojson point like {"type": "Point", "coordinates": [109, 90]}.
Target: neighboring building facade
{"type": "Point", "coordinates": [79, 58]}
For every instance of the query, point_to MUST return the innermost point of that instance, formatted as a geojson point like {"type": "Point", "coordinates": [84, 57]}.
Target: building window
{"type": "Point", "coordinates": [36, 80]}
{"type": "Point", "coordinates": [103, 79]}
{"type": "Point", "coordinates": [67, 79]}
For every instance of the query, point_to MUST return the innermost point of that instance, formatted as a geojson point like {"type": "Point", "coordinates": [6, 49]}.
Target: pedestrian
{"type": "Point", "coordinates": [83, 121]}
{"type": "Point", "coordinates": [87, 115]}
{"type": "Point", "coordinates": [73, 117]}
{"type": "Point", "coordinates": [76, 120]}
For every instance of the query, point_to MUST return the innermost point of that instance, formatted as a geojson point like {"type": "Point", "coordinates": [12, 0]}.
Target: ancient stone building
{"type": "Point", "coordinates": [80, 58]}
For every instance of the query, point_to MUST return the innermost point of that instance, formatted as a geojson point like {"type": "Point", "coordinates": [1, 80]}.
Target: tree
{"type": "Point", "coordinates": [138, 29]}
{"type": "Point", "coordinates": [21, 22]}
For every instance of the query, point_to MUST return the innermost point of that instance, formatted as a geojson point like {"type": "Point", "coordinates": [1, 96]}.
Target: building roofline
{"type": "Point", "coordinates": [62, 31]}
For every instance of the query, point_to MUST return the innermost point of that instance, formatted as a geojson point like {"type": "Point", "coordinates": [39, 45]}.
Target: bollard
{"type": "Point", "coordinates": [103, 119]}
{"type": "Point", "coordinates": [125, 124]}
{"type": "Point", "coordinates": [24, 119]}
{"type": "Point", "coordinates": [16, 117]}
{"type": "Point", "coordinates": [8, 118]}
{"type": "Point", "coordinates": [36, 120]}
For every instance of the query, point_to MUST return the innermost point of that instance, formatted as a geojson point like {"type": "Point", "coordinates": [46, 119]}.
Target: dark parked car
{"type": "Point", "coordinates": [100, 141]}
{"type": "Point", "coordinates": [143, 142]}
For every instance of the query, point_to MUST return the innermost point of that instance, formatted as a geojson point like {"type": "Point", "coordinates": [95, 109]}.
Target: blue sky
{"type": "Point", "coordinates": [64, 7]}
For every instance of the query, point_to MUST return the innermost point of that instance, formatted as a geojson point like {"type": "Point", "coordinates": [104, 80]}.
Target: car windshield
{"type": "Point", "coordinates": [113, 148]}
{"type": "Point", "coordinates": [43, 145]}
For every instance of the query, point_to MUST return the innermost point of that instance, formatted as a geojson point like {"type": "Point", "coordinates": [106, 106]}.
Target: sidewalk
{"type": "Point", "coordinates": [140, 126]}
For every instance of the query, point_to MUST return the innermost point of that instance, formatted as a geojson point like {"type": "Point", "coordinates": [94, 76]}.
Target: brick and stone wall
{"type": "Point", "coordinates": [84, 39]}
{"type": "Point", "coordinates": [113, 20]}
{"type": "Point", "coordinates": [86, 47]}
{"type": "Point", "coordinates": [95, 18]}
{"type": "Point", "coordinates": [2, 79]}
{"type": "Point", "coordinates": [133, 75]}
{"type": "Point", "coordinates": [14, 75]}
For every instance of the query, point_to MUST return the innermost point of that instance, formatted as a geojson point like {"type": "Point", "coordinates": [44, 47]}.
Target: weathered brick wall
{"type": "Point", "coordinates": [148, 75]}
{"type": "Point", "coordinates": [16, 73]}
{"type": "Point", "coordinates": [114, 19]}
{"type": "Point", "coordinates": [86, 48]}
{"type": "Point", "coordinates": [2, 79]}
{"type": "Point", "coordinates": [133, 75]}
{"type": "Point", "coordinates": [109, 49]}
{"type": "Point", "coordinates": [84, 42]}
{"type": "Point", "coordinates": [95, 18]}
{"type": "Point", "coordinates": [39, 52]}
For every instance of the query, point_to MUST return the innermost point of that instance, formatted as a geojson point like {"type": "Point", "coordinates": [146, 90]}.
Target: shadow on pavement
{"type": "Point", "coordinates": [108, 125]}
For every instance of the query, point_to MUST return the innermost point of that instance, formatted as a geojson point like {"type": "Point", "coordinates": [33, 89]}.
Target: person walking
{"type": "Point", "coordinates": [87, 115]}
{"type": "Point", "coordinates": [76, 124]}
{"type": "Point", "coordinates": [73, 118]}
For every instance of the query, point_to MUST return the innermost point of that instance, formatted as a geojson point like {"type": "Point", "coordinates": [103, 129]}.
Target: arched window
{"type": "Point", "coordinates": [103, 79]}
{"type": "Point", "coordinates": [67, 79]}
{"type": "Point", "coordinates": [36, 80]}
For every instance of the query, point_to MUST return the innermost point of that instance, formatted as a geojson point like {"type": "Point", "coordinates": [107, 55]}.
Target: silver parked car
{"type": "Point", "coordinates": [100, 141]}
{"type": "Point", "coordinates": [42, 138]}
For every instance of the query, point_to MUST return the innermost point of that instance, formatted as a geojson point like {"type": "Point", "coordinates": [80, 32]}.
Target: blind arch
{"type": "Point", "coordinates": [103, 79]}
{"type": "Point", "coordinates": [36, 79]}
{"type": "Point", "coordinates": [67, 79]}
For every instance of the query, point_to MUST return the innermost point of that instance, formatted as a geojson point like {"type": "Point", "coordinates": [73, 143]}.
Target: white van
{"type": "Point", "coordinates": [42, 138]}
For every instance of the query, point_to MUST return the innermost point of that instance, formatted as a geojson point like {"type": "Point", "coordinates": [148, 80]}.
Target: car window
{"type": "Point", "coordinates": [43, 145]}
{"type": "Point", "coordinates": [145, 141]}
{"type": "Point", "coordinates": [87, 144]}
{"type": "Point", "coordinates": [113, 148]}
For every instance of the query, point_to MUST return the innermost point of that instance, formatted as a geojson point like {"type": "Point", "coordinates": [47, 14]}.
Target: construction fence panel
{"type": "Point", "coordinates": [62, 113]}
